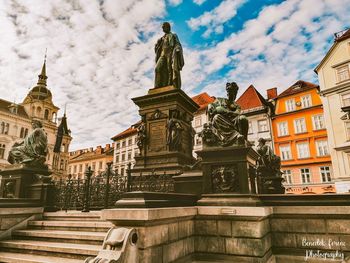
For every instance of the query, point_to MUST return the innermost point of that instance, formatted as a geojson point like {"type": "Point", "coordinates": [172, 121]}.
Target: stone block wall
{"type": "Point", "coordinates": [165, 234]}
{"type": "Point", "coordinates": [232, 237]}
{"type": "Point", "coordinates": [15, 218]}
{"type": "Point", "coordinates": [301, 231]}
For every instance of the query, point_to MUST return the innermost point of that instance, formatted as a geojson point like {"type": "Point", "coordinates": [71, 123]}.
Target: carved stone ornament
{"type": "Point", "coordinates": [120, 245]}
{"type": "Point", "coordinates": [157, 114]}
{"type": "Point", "coordinates": [225, 179]}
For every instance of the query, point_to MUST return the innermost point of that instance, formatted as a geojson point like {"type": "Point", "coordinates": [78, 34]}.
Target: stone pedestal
{"type": "Point", "coordinates": [20, 181]}
{"type": "Point", "coordinates": [229, 169]}
{"type": "Point", "coordinates": [157, 109]}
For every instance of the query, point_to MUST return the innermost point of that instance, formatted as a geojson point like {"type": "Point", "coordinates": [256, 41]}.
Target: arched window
{"type": "Point", "coordinates": [25, 132]}
{"type": "Point", "coordinates": [38, 112]}
{"type": "Point", "coordinates": [46, 116]}
{"type": "Point", "coordinates": [2, 128]}
{"type": "Point", "coordinates": [22, 133]}
{"type": "Point", "coordinates": [2, 151]}
{"type": "Point", "coordinates": [7, 128]}
{"type": "Point", "coordinates": [61, 164]}
{"type": "Point", "coordinates": [54, 116]}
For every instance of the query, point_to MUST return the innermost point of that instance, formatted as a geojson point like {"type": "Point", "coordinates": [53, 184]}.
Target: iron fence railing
{"type": "Point", "coordinates": [105, 189]}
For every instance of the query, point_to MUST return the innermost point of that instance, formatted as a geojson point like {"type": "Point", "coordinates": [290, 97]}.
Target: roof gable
{"type": "Point", "coordinates": [203, 100]}
{"type": "Point", "coordinates": [298, 87]}
{"type": "Point", "coordinates": [251, 98]}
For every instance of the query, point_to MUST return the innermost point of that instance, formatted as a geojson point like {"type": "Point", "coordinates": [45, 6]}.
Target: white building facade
{"type": "Point", "coordinates": [334, 78]}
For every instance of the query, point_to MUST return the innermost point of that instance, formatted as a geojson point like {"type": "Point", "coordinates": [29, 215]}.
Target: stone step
{"type": "Point", "coordinates": [9, 257]}
{"type": "Point", "coordinates": [65, 250]}
{"type": "Point", "coordinates": [98, 226]}
{"type": "Point", "coordinates": [79, 237]}
{"type": "Point", "coordinates": [73, 215]}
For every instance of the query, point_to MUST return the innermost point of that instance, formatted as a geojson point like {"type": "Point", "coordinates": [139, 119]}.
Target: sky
{"type": "Point", "coordinates": [100, 53]}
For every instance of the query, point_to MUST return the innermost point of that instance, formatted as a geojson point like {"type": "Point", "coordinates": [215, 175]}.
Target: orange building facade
{"type": "Point", "coordinates": [300, 139]}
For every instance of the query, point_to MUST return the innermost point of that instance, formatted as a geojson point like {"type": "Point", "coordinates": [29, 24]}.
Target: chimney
{"type": "Point", "coordinates": [271, 93]}
{"type": "Point", "coordinates": [99, 149]}
{"type": "Point", "coordinates": [108, 146]}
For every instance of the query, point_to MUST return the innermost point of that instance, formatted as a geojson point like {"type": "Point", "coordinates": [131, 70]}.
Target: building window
{"type": "Point", "coordinates": [303, 150]}
{"type": "Point", "coordinates": [117, 145]}
{"type": "Point", "coordinates": [343, 73]}
{"type": "Point", "coordinates": [325, 172]}
{"type": "Point", "coordinates": [130, 142]}
{"type": "Point", "coordinates": [306, 101]}
{"type": "Point", "coordinates": [282, 129]}
{"type": "Point", "coordinates": [299, 125]}
{"type": "Point", "coordinates": [318, 122]}
{"type": "Point", "coordinates": [290, 105]}
{"type": "Point", "coordinates": [347, 128]}
{"type": "Point", "coordinates": [322, 148]}
{"type": "Point", "coordinates": [262, 126]}
{"type": "Point", "coordinates": [80, 168]}
{"type": "Point", "coordinates": [250, 127]}
{"type": "Point", "coordinates": [123, 157]}
{"type": "Point", "coordinates": [25, 132]}
{"type": "Point", "coordinates": [122, 171]}
{"type": "Point", "coordinates": [285, 152]}
{"type": "Point", "coordinates": [93, 166]}
{"type": "Point", "coordinates": [46, 115]}
{"type": "Point", "coordinates": [129, 156]}
{"type": "Point", "coordinates": [21, 135]}
{"type": "Point", "coordinates": [346, 99]}
{"type": "Point", "coordinates": [305, 175]}
{"type": "Point", "coordinates": [287, 175]}
{"type": "Point", "coordinates": [75, 169]}
{"type": "Point", "coordinates": [117, 158]}
{"type": "Point", "coordinates": [2, 151]}
{"type": "Point", "coordinates": [100, 165]}
{"type": "Point", "coordinates": [197, 121]}
{"type": "Point", "coordinates": [123, 143]}
{"type": "Point", "coordinates": [5, 127]}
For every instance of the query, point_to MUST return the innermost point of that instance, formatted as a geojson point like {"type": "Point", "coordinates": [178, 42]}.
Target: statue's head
{"type": "Point", "coordinates": [36, 124]}
{"type": "Point", "coordinates": [261, 141]}
{"type": "Point", "coordinates": [166, 27]}
{"type": "Point", "coordinates": [231, 89]}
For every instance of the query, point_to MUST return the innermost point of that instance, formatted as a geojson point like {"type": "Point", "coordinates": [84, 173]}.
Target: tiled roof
{"type": "Point", "coordinates": [4, 107]}
{"type": "Point", "coordinates": [343, 36]}
{"type": "Point", "coordinates": [129, 131]}
{"type": "Point", "coordinates": [203, 100]}
{"type": "Point", "coordinates": [88, 154]}
{"type": "Point", "coordinates": [251, 98]}
{"type": "Point", "coordinates": [298, 87]}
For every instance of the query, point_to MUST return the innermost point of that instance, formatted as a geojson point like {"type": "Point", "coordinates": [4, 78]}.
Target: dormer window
{"type": "Point", "coordinates": [343, 73]}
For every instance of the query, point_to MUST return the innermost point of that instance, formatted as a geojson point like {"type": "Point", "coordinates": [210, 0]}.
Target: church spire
{"type": "Point", "coordinates": [42, 77]}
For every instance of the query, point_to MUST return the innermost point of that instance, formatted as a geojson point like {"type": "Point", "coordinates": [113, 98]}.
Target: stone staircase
{"type": "Point", "coordinates": [59, 237]}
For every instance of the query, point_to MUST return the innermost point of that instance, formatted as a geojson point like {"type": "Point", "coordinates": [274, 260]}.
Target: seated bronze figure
{"type": "Point", "coordinates": [32, 150]}
{"type": "Point", "coordinates": [227, 124]}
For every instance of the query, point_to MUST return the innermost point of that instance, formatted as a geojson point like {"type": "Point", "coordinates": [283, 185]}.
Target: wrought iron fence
{"type": "Point", "coordinates": [103, 190]}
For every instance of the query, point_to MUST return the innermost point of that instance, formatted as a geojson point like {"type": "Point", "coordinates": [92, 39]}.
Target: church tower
{"type": "Point", "coordinates": [38, 105]}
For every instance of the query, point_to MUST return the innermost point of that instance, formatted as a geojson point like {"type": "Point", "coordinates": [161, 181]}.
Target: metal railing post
{"type": "Point", "coordinates": [128, 183]}
{"type": "Point", "coordinates": [87, 197]}
{"type": "Point", "coordinates": [109, 167]}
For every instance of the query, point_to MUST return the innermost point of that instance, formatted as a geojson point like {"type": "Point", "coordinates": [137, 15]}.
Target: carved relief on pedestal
{"type": "Point", "coordinates": [225, 179]}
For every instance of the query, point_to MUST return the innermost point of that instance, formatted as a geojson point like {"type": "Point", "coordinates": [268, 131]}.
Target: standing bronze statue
{"type": "Point", "coordinates": [169, 59]}
{"type": "Point", "coordinates": [33, 150]}
{"type": "Point", "coordinates": [227, 124]}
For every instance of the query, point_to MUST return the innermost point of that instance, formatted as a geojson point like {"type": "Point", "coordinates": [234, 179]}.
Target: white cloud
{"type": "Point", "coordinates": [280, 46]}
{"type": "Point", "coordinates": [174, 2]}
{"type": "Point", "coordinates": [199, 2]}
{"type": "Point", "coordinates": [97, 58]}
{"type": "Point", "coordinates": [213, 20]}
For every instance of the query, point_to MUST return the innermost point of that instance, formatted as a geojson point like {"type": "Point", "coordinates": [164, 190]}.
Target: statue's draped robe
{"type": "Point", "coordinates": [32, 149]}
{"type": "Point", "coordinates": [169, 61]}
{"type": "Point", "coordinates": [226, 121]}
